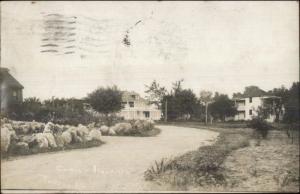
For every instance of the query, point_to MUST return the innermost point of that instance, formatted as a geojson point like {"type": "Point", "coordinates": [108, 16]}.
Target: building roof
{"type": "Point", "coordinates": [132, 96]}
{"type": "Point", "coordinates": [8, 79]}
{"type": "Point", "coordinates": [264, 97]}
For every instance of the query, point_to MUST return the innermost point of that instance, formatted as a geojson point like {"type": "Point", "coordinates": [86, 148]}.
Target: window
{"type": "Point", "coordinates": [124, 104]}
{"type": "Point", "coordinates": [250, 99]}
{"type": "Point", "coordinates": [147, 114]}
{"type": "Point", "coordinates": [250, 112]}
{"type": "Point", "coordinates": [131, 104]}
{"type": "Point", "coordinates": [15, 95]}
{"type": "Point", "coordinates": [133, 96]}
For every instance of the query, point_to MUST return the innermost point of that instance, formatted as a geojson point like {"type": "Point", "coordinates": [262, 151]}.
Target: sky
{"type": "Point", "coordinates": [68, 49]}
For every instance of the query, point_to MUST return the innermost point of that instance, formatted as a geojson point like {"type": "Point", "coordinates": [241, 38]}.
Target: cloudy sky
{"type": "Point", "coordinates": [67, 49]}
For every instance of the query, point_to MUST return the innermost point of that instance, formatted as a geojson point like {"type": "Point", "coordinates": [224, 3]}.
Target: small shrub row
{"type": "Point", "coordinates": [261, 127]}
{"type": "Point", "coordinates": [203, 165]}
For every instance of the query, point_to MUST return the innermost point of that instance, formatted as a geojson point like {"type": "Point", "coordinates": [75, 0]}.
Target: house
{"type": "Point", "coordinates": [247, 107]}
{"type": "Point", "coordinates": [10, 90]}
{"type": "Point", "coordinates": [136, 107]}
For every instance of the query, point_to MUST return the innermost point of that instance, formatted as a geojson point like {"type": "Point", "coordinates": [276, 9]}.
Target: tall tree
{"type": "Point", "coordinates": [155, 93]}
{"type": "Point", "coordinates": [106, 100]}
{"type": "Point", "coordinates": [250, 91]}
{"type": "Point", "coordinates": [222, 107]}
{"type": "Point", "coordinates": [292, 110]}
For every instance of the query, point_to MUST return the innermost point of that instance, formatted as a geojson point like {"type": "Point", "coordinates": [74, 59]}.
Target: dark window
{"type": "Point", "coordinates": [147, 114]}
{"type": "Point", "coordinates": [131, 104]}
{"type": "Point", "coordinates": [250, 99]}
{"type": "Point", "coordinates": [250, 112]}
{"type": "Point", "coordinates": [15, 95]}
{"type": "Point", "coordinates": [133, 96]}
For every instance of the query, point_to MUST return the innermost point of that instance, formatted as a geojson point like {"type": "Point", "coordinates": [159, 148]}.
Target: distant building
{"type": "Point", "coordinates": [10, 90]}
{"type": "Point", "coordinates": [247, 107]}
{"type": "Point", "coordinates": [136, 107]}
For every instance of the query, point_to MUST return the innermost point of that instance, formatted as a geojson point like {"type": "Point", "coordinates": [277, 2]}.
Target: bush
{"type": "Point", "coordinates": [261, 127]}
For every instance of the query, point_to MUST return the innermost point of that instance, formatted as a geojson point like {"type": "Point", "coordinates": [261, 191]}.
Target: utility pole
{"type": "Point", "coordinates": [206, 105]}
{"type": "Point", "coordinates": [166, 111]}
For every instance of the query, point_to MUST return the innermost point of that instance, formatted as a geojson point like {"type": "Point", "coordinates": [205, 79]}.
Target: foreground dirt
{"type": "Point", "coordinates": [115, 166]}
{"type": "Point", "coordinates": [271, 166]}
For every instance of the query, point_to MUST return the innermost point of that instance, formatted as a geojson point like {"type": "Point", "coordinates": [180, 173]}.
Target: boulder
{"type": "Point", "coordinates": [4, 120]}
{"type": "Point", "coordinates": [121, 128]}
{"type": "Point", "coordinates": [49, 127]}
{"type": "Point", "coordinates": [30, 140]}
{"type": "Point", "coordinates": [8, 126]}
{"type": "Point", "coordinates": [82, 130]}
{"type": "Point", "coordinates": [111, 131]}
{"type": "Point", "coordinates": [51, 140]}
{"type": "Point", "coordinates": [66, 137]}
{"type": "Point", "coordinates": [42, 140]}
{"type": "Point", "coordinates": [59, 140]}
{"type": "Point", "coordinates": [104, 129]}
{"type": "Point", "coordinates": [91, 126]}
{"type": "Point", "coordinates": [95, 135]}
{"type": "Point", "coordinates": [21, 147]}
{"type": "Point", "coordinates": [127, 127]}
{"type": "Point", "coordinates": [139, 125]}
{"type": "Point", "coordinates": [58, 128]}
{"type": "Point", "coordinates": [36, 127]}
{"type": "Point", "coordinates": [25, 129]}
{"type": "Point", "coordinates": [76, 134]}
{"type": "Point", "coordinates": [147, 125]}
{"type": "Point", "coordinates": [5, 139]}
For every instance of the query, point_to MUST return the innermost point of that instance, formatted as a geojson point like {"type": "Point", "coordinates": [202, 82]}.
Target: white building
{"type": "Point", "coordinates": [136, 107]}
{"type": "Point", "coordinates": [247, 107]}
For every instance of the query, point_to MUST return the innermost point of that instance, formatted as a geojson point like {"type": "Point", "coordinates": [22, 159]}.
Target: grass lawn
{"type": "Point", "coordinates": [236, 162]}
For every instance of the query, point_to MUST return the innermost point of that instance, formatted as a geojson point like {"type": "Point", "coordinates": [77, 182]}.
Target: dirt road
{"type": "Point", "coordinates": [117, 165]}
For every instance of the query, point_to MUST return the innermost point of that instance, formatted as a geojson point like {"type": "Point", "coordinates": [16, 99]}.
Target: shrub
{"type": "Point", "coordinates": [261, 126]}
{"type": "Point", "coordinates": [202, 166]}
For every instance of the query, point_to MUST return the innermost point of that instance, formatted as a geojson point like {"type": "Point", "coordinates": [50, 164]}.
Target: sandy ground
{"type": "Point", "coordinates": [116, 166]}
{"type": "Point", "coordinates": [271, 167]}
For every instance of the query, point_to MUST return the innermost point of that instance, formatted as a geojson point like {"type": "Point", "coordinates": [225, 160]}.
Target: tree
{"type": "Point", "coordinates": [250, 91]}
{"type": "Point", "coordinates": [32, 108]}
{"type": "Point", "coordinates": [291, 104]}
{"type": "Point", "coordinates": [180, 103]}
{"type": "Point", "coordinates": [222, 107]}
{"type": "Point", "coordinates": [205, 97]}
{"type": "Point", "coordinates": [106, 100]}
{"type": "Point", "coordinates": [155, 93]}
{"type": "Point", "coordinates": [290, 101]}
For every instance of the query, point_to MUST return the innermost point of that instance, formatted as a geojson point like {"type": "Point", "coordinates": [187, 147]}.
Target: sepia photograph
{"type": "Point", "coordinates": [149, 96]}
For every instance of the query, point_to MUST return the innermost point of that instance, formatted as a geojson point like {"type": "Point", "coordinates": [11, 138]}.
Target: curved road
{"type": "Point", "coordinates": [115, 166]}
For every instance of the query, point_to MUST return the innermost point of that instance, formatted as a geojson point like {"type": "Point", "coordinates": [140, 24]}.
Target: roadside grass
{"type": "Point", "coordinates": [199, 167]}
{"type": "Point", "coordinates": [13, 152]}
{"type": "Point", "coordinates": [238, 161]}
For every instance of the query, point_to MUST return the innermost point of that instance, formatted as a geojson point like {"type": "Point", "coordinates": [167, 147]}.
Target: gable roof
{"type": "Point", "coordinates": [8, 79]}
{"type": "Point", "coordinates": [132, 96]}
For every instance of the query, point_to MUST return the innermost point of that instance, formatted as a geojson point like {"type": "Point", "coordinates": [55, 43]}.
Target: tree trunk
{"type": "Point", "coordinates": [206, 105]}
{"type": "Point", "coordinates": [166, 111]}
